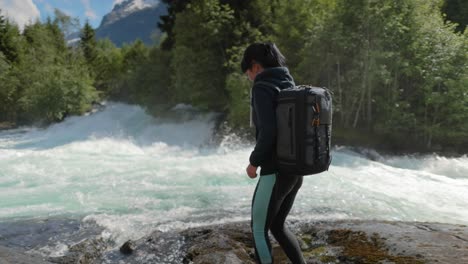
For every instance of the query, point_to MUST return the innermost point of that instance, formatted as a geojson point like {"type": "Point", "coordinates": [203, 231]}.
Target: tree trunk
{"type": "Point", "coordinates": [356, 116]}
{"type": "Point", "coordinates": [368, 77]}
{"type": "Point", "coordinates": [369, 100]}
{"type": "Point", "coordinates": [363, 88]}
{"type": "Point", "coordinates": [350, 110]}
{"type": "Point", "coordinates": [340, 94]}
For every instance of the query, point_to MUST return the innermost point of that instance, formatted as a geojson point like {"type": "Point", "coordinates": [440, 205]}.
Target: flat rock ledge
{"type": "Point", "coordinates": [347, 241]}
{"type": "Point", "coordinates": [321, 242]}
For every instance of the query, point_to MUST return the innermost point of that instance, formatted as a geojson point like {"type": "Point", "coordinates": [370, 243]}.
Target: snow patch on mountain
{"type": "Point", "coordinates": [123, 8]}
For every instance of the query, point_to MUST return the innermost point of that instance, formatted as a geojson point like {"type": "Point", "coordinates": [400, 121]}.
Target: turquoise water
{"type": "Point", "coordinates": [131, 174]}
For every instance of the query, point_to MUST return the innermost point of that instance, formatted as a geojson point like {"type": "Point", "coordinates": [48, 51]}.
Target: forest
{"type": "Point", "coordinates": [398, 69]}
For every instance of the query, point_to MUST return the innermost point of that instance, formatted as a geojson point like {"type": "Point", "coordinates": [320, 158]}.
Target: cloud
{"type": "Point", "coordinates": [116, 2]}
{"type": "Point", "coordinates": [22, 12]}
{"type": "Point", "coordinates": [49, 8]}
{"type": "Point", "coordinates": [89, 13]}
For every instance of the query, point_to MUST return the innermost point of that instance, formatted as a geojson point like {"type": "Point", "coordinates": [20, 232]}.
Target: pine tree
{"type": "Point", "coordinates": [168, 21]}
{"type": "Point", "coordinates": [9, 40]}
{"type": "Point", "coordinates": [2, 20]}
{"type": "Point", "coordinates": [67, 24]}
{"type": "Point", "coordinates": [88, 43]}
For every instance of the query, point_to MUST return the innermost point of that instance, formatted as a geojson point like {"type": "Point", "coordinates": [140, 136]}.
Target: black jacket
{"type": "Point", "coordinates": [264, 116]}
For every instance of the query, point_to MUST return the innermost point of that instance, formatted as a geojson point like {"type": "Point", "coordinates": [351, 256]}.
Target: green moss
{"type": "Point", "coordinates": [307, 239]}
{"type": "Point", "coordinates": [328, 259]}
{"type": "Point", "coordinates": [358, 247]}
{"type": "Point", "coordinates": [318, 251]}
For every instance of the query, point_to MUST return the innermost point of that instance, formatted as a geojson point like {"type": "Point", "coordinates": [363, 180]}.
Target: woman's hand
{"type": "Point", "coordinates": [251, 171]}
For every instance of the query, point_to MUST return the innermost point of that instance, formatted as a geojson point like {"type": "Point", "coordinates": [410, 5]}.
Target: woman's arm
{"type": "Point", "coordinates": [264, 98]}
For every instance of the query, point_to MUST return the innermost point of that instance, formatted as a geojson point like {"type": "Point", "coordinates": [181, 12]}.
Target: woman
{"type": "Point", "coordinates": [274, 195]}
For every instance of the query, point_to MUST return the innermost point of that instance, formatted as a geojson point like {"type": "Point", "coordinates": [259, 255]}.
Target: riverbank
{"type": "Point", "coordinates": [345, 241]}
{"type": "Point", "coordinates": [7, 125]}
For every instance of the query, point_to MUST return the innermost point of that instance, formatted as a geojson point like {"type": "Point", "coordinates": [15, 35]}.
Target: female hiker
{"type": "Point", "coordinates": [274, 195]}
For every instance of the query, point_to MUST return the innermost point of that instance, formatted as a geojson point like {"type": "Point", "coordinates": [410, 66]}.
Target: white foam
{"type": "Point", "coordinates": [132, 174]}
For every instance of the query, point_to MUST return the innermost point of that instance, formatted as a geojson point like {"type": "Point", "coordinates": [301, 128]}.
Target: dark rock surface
{"type": "Point", "coordinates": [87, 251]}
{"type": "Point", "coordinates": [39, 241]}
{"type": "Point", "coordinates": [14, 256]}
{"type": "Point", "coordinates": [349, 241]}
{"type": "Point", "coordinates": [321, 242]}
{"type": "Point", "coordinates": [127, 248]}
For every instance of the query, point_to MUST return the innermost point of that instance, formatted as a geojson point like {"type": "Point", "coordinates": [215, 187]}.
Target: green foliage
{"type": "Point", "coordinates": [168, 21]}
{"type": "Point", "coordinates": [67, 24]}
{"type": "Point", "coordinates": [3, 64]}
{"type": "Point", "coordinates": [55, 92]}
{"type": "Point", "coordinates": [456, 11]}
{"type": "Point", "coordinates": [108, 68]}
{"type": "Point", "coordinates": [134, 57]}
{"type": "Point", "coordinates": [442, 67]}
{"type": "Point", "coordinates": [199, 54]}
{"type": "Point", "coordinates": [10, 40]}
{"type": "Point", "coordinates": [152, 80]}
{"type": "Point", "coordinates": [48, 82]}
{"type": "Point", "coordinates": [239, 97]}
{"type": "Point", "coordinates": [5, 90]}
{"type": "Point", "coordinates": [88, 43]}
{"type": "Point", "coordinates": [398, 69]}
{"type": "Point", "coordinates": [378, 59]}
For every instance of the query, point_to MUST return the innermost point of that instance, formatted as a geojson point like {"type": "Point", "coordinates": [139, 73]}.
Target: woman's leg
{"type": "Point", "coordinates": [271, 203]}
{"type": "Point", "coordinates": [282, 234]}
{"type": "Point", "coordinates": [259, 219]}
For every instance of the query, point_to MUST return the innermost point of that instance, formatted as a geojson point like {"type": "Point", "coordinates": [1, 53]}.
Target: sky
{"type": "Point", "coordinates": [25, 11]}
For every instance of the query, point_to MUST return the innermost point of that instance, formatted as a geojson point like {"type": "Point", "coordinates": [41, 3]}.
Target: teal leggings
{"type": "Point", "coordinates": [273, 198]}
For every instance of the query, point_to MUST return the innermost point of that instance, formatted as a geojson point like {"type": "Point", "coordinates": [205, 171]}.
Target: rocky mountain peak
{"type": "Point", "coordinates": [124, 8]}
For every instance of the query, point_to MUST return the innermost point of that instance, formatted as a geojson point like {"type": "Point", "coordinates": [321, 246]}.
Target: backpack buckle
{"type": "Point", "coordinates": [316, 122]}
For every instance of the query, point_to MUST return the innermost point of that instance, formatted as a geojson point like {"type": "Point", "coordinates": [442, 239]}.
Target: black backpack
{"type": "Point", "coordinates": [304, 122]}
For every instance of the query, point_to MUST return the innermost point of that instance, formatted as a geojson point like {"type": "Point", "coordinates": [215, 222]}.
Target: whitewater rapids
{"type": "Point", "coordinates": [131, 174]}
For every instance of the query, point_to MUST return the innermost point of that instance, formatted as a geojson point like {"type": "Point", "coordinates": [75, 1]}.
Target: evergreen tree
{"type": "Point", "coordinates": [67, 24]}
{"type": "Point", "coordinates": [88, 43]}
{"type": "Point", "coordinates": [10, 44]}
{"type": "Point", "coordinates": [5, 92]}
{"type": "Point", "coordinates": [167, 21]}
{"type": "Point", "coordinates": [58, 37]}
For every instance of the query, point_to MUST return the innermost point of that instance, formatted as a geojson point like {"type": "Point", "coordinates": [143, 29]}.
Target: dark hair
{"type": "Point", "coordinates": [266, 54]}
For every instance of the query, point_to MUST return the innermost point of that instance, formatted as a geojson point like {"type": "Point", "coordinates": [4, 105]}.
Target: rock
{"type": "Point", "coordinates": [219, 257]}
{"type": "Point", "coordinates": [14, 256]}
{"type": "Point", "coordinates": [347, 241]}
{"type": "Point", "coordinates": [388, 242]}
{"type": "Point", "coordinates": [218, 245]}
{"type": "Point", "coordinates": [88, 251]}
{"type": "Point", "coordinates": [336, 241]}
{"type": "Point", "coordinates": [7, 125]}
{"type": "Point", "coordinates": [127, 248]}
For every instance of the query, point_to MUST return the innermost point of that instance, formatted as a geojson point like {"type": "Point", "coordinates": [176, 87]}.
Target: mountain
{"type": "Point", "coordinates": [132, 19]}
